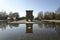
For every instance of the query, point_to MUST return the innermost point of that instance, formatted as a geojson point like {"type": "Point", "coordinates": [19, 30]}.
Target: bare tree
{"type": "Point", "coordinates": [14, 15]}
{"type": "Point", "coordinates": [3, 15]}
{"type": "Point", "coordinates": [58, 10]}
{"type": "Point", "coordinates": [40, 15]}
{"type": "Point", "coordinates": [46, 15]}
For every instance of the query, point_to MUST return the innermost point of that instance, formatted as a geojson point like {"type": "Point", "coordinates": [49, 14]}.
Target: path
{"type": "Point", "coordinates": [24, 21]}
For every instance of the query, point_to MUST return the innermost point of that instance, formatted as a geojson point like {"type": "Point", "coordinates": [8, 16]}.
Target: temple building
{"type": "Point", "coordinates": [29, 15]}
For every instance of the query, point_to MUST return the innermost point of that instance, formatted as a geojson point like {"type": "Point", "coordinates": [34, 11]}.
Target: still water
{"type": "Point", "coordinates": [42, 31]}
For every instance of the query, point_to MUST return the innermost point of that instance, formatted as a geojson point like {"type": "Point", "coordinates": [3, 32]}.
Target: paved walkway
{"type": "Point", "coordinates": [57, 21]}
{"type": "Point", "coordinates": [24, 21]}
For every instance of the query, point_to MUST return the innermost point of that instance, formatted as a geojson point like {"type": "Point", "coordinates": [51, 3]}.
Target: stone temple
{"type": "Point", "coordinates": [29, 15]}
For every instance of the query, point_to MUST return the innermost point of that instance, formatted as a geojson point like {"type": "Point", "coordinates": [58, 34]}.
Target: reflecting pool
{"type": "Point", "coordinates": [42, 31]}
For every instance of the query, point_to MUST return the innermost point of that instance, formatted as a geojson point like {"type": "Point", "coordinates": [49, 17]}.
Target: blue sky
{"type": "Point", "coordinates": [22, 5]}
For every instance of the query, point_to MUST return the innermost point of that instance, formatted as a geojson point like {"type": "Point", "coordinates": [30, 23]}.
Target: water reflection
{"type": "Point", "coordinates": [56, 26]}
{"type": "Point", "coordinates": [3, 25]}
{"type": "Point", "coordinates": [13, 25]}
{"type": "Point", "coordinates": [50, 25]}
{"type": "Point", "coordinates": [29, 28]}
{"type": "Point", "coordinates": [42, 31]}
{"type": "Point", "coordinates": [41, 25]}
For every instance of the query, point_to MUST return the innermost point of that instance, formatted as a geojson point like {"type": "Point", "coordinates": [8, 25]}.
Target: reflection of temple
{"type": "Point", "coordinates": [29, 28]}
